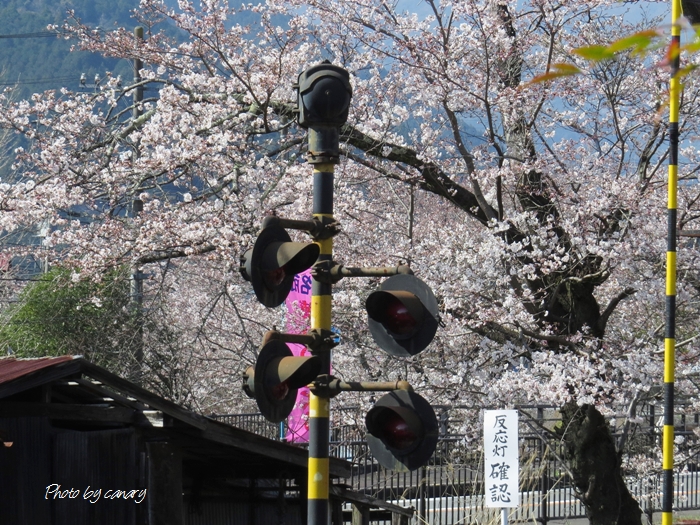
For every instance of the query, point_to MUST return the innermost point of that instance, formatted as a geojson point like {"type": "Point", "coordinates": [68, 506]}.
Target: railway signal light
{"type": "Point", "coordinates": [273, 262]}
{"type": "Point", "coordinates": [324, 93]}
{"type": "Point", "coordinates": [403, 315]}
{"type": "Point", "coordinates": [276, 377]}
{"type": "Point", "coordinates": [402, 430]}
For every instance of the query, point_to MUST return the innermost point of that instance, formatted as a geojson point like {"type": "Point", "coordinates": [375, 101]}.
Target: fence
{"type": "Point", "coordinates": [449, 489]}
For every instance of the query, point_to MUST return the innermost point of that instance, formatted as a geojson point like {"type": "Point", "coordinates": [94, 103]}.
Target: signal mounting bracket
{"type": "Point", "coordinates": [330, 386]}
{"type": "Point", "coordinates": [330, 272]}
{"type": "Point", "coordinates": [317, 341]}
{"type": "Point", "coordinates": [319, 229]}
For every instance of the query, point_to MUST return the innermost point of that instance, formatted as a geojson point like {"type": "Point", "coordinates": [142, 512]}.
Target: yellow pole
{"type": "Point", "coordinates": [670, 333]}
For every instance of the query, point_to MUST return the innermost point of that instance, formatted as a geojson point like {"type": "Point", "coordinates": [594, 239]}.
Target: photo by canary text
{"type": "Point", "coordinates": [90, 494]}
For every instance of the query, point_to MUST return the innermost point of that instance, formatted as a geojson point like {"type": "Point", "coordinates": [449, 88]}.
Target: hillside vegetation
{"type": "Point", "coordinates": [35, 61]}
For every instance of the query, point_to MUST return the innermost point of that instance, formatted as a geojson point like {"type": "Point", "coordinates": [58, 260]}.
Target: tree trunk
{"type": "Point", "coordinates": [595, 466]}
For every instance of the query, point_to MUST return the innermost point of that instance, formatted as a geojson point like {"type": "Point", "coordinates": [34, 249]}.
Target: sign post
{"type": "Point", "coordinates": [501, 467]}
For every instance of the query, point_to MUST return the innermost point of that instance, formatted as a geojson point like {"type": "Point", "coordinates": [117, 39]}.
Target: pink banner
{"type": "Point", "coordinates": [298, 313]}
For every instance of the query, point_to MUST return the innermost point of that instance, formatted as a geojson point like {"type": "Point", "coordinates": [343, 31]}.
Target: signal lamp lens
{"type": "Point", "coordinates": [397, 433]}
{"type": "Point", "coordinates": [398, 319]}
{"type": "Point", "coordinates": [280, 391]}
{"type": "Point", "coordinates": [274, 278]}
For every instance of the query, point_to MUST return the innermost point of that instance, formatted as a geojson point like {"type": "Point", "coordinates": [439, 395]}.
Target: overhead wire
{"type": "Point", "coordinates": [38, 34]}
{"type": "Point", "coordinates": [48, 80]}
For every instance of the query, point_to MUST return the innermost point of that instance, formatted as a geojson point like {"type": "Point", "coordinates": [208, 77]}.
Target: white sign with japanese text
{"type": "Point", "coordinates": [501, 458]}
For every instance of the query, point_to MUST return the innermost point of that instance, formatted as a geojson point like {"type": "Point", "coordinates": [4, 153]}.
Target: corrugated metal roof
{"type": "Point", "coordinates": [12, 368]}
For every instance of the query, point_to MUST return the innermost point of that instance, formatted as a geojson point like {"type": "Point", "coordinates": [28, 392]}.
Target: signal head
{"type": "Point", "coordinates": [403, 315]}
{"type": "Point", "coordinates": [276, 378]}
{"type": "Point", "coordinates": [402, 430]}
{"type": "Point", "coordinates": [273, 262]}
{"type": "Point", "coordinates": [324, 94]}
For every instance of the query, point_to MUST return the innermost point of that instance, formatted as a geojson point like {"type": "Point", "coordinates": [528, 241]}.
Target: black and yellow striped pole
{"type": "Point", "coordinates": [670, 332]}
{"type": "Point", "coordinates": [324, 94]}
{"type": "Point", "coordinates": [319, 406]}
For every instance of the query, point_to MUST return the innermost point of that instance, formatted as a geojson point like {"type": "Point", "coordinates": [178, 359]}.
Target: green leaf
{"type": "Point", "coordinates": [558, 70]}
{"type": "Point", "coordinates": [594, 53]}
{"type": "Point", "coordinates": [638, 42]}
{"type": "Point", "coordinates": [692, 47]}
{"type": "Point", "coordinates": [684, 71]}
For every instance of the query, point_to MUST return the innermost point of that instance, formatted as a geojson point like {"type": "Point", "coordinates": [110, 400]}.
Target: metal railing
{"type": "Point", "coordinates": [449, 489]}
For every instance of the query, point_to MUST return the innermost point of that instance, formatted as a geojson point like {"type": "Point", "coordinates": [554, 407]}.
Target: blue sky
{"type": "Point", "coordinates": [654, 7]}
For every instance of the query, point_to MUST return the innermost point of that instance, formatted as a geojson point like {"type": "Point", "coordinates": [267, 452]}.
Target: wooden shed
{"type": "Point", "coordinates": [80, 445]}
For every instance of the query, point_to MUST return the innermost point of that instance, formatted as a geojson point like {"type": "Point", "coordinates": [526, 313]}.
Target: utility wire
{"type": "Point", "coordinates": [38, 34]}
{"type": "Point", "coordinates": [41, 81]}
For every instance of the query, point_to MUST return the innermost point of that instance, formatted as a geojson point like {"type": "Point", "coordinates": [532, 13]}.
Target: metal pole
{"type": "Point", "coordinates": [319, 405]}
{"type": "Point", "coordinates": [136, 300]}
{"type": "Point", "coordinates": [136, 285]}
{"type": "Point", "coordinates": [670, 335]}
{"type": "Point", "coordinates": [544, 479]}
{"type": "Point", "coordinates": [323, 103]}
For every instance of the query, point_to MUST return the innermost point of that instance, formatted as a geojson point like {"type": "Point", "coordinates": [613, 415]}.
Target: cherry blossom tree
{"type": "Point", "coordinates": [535, 211]}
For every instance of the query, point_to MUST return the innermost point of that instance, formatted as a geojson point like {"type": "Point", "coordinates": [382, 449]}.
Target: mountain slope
{"type": "Point", "coordinates": [35, 61]}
